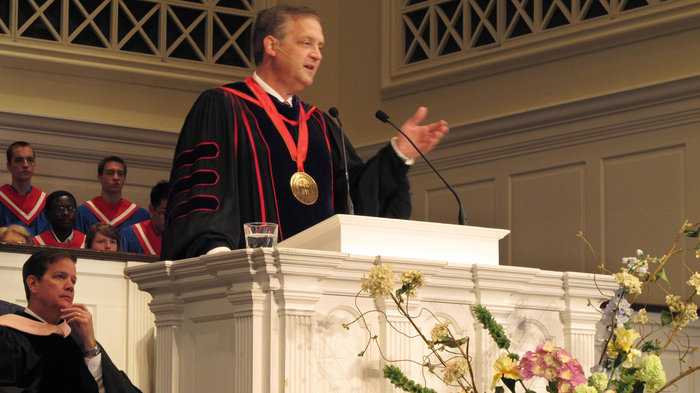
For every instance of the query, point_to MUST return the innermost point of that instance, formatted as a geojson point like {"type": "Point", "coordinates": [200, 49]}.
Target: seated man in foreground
{"type": "Point", "coordinates": [51, 345]}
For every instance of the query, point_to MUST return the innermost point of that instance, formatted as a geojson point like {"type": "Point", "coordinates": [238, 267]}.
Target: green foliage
{"type": "Point", "coordinates": [552, 387]}
{"type": "Point", "coordinates": [396, 377]}
{"type": "Point", "coordinates": [404, 288]}
{"type": "Point", "coordinates": [449, 342]}
{"type": "Point", "coordinates": [627, 383]}
{"type": "Point", "coordinates": [618, 360]}
{"type": "Point", "coordinates": [638, 387]}
{"type": "Point", "coordinates": [510, 383]}
{"type": "Point", "coordinates": [651, 346]}
{"type": "Point", "coordinates": [661, 275]}
{"type": "Point", "coordinates": [494, 328]}
{"type": "Point", "coordinates": [666, 317]}
{"type": "Point", "coordinates": [691, 232]}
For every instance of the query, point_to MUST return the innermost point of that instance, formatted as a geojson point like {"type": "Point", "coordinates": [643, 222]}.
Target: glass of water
{"type": "Point", "coordinates": [260, 234]}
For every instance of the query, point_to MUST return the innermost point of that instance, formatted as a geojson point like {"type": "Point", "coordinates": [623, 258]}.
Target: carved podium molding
{"type": "Point", "coordinates": [270, 319]}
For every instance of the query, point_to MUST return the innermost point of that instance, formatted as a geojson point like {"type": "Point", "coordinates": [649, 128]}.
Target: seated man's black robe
{"type": "Point", "coordinates": [231, 166]}
{"type": "Point", "coordinates": [52, 364]}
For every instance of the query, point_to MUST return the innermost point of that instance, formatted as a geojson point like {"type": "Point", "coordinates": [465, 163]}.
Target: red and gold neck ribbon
{"type": "Point", "coordinates": [296, 150]}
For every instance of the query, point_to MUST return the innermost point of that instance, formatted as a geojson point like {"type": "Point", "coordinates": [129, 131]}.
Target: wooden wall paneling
{"type": "Point", "coordinates": [547, 209]}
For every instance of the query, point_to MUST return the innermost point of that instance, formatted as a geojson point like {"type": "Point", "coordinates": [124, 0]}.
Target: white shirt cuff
{"type": "Point", "coordinates": [217, 250]}
{"type": "Point", "coordinates": [95, 367]}
{"type": "Point", "coordinates": [406, 160]}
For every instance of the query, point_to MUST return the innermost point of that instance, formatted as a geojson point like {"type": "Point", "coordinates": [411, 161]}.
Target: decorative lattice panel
{"type": "Point", "coordinates": [215, 32]}
{"type": "Point", "coordinates": [434, 28]}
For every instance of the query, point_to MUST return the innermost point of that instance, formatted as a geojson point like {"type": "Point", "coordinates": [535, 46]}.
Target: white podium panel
{"type": "Point", "coordinates": [270, 319]}
{"type": "Point", "coordinates": [387, 237]}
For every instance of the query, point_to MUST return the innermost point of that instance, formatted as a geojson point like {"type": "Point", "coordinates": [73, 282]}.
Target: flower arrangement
{"type": "Point", "coordinates": [629, 361]}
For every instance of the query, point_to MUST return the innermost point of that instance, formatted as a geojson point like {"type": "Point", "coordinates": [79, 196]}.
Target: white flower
{"type": "Point", "coordinates": [638, 264]}
{"type": "Point", "coordinates": [683, 313]}
{"type": "Point", "coordinates": [380, 282]}
{"type": "Point", "coordinates": [641, 316]}
{"type": "Point", "coordinates": [695, 282]}
{"type": "Point", "coordinates": [440, 331]}
{"type": "Point", "coordinates": [414, 279]}
{"type": "Point", "coordinates": [629, 281]}
{"type": "Point", "coordinates": [455, 369]}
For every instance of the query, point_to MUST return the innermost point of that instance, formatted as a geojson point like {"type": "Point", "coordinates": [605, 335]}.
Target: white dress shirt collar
{"type": "Point", "coordinates": [269, 90]}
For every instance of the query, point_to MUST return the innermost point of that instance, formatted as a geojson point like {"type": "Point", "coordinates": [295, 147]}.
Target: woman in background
{"type": "Point", "coordinates": [15, 234]}
{"type": "Point", "coordinates": [102, 236]}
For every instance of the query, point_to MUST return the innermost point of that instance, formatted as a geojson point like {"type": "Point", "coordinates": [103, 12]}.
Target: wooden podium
{"type": "Point", "coordinates": [270, 319]}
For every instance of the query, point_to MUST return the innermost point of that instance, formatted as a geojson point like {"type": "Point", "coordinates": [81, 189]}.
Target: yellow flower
{"type": "Point", "coordinates": [624, 339]}
{"type": "Point", "coordinates": [504, 367]}
{"type": "Point", "coordinates": [631, 358]}
{"type": "Point", "coordinates": [610, 350]}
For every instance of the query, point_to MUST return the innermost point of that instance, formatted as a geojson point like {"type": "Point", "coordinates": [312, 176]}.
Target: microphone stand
{"type": "Point", "coordinates": [384, 118]}
{"type": "Point", "coordinates": [333, 111]}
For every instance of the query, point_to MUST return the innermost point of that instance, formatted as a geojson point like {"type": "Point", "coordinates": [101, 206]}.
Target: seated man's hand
{"type": "Point", "coordinates": [80, 318]}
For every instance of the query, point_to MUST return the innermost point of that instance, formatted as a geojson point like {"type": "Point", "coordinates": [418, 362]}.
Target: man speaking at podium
{"type": "Point", "coordinates": [253, 151]}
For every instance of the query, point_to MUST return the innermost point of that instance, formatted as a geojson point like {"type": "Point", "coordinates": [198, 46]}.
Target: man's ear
{"type": "Point", "coordinates": [32, 283]}
{"type": "Point", "coordinates": [270, 44]}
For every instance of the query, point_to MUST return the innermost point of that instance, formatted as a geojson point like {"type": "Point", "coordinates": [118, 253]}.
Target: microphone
{"type": "Point", "coordinates": [384, 118]}
{"type": "Point", "coordinates": [333, 111]}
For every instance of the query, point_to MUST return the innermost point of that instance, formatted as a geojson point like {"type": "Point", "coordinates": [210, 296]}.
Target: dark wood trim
{"type": "Point", "coordinates": [81, 253]}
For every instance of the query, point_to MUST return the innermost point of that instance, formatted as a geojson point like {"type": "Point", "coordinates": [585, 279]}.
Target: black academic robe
{"type": "Point", "coordinates": [52, 364]}
{"type": "Point", "coordinates": [231, 166]}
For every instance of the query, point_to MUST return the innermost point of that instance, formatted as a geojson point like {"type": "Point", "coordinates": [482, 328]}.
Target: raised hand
{"type": "Point", "coordinates": [426, 137]}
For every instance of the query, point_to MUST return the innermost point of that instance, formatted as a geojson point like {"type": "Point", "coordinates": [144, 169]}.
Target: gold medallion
{"type": "Point", "coordinates": [304, 188]}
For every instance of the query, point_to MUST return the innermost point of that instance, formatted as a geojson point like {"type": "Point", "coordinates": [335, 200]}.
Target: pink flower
{"type": "Point", "coordinates": [546, 347]}
{"type": "Point", "coordinates": [554, 364]}
{"type": "Point", "coordinates": [563, 356]}
{"type": "Point", "coordinates": [551, 374]}
{"type": "Point", "coordinates": [565, 387]}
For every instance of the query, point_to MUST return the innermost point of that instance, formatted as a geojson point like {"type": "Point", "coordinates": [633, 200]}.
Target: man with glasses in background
{"type": "Point", "coordinates": [60, 211]}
